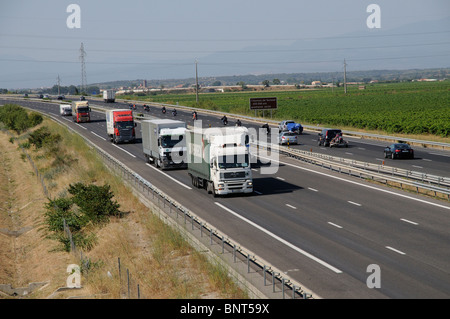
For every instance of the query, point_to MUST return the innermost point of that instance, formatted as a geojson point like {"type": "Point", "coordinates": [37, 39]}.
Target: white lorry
{"type": "Point", "coordinates": [164, 143]}
{"type": "Point", "coordinates": [109, 96]}
{"type": "Point", "coordinates": [219, 160]}
{"type": "Point", "coordinates": [65, 109]}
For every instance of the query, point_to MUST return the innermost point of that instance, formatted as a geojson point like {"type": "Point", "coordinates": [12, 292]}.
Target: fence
{"type": "Point", "coordinates": [426, 183]}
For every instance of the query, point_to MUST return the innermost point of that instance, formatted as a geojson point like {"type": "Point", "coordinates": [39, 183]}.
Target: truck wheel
{"type": "Point", "coordinates": [209, 188]}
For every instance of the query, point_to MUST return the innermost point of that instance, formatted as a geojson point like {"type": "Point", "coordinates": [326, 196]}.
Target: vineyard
{"type": "Point", "coordinates": [407, 107]}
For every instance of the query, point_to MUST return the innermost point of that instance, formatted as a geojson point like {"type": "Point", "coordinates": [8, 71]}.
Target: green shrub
{"type": "Point", "coordinates": [89, 205]}
{"type": "Point", "coordinates": [16, 118]}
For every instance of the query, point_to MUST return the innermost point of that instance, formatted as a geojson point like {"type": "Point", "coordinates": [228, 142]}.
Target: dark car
{"type": "Point", "coordinates": [327, 135]}
{"type": "Point", "coordinates": [399, 150]}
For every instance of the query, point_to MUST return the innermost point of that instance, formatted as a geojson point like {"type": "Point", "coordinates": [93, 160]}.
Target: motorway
{"type": "Point", "coordinates": [321, 228]}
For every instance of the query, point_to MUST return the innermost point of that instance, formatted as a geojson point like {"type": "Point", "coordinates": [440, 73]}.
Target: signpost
{"type": "Point", "coordinates": [265, 103]}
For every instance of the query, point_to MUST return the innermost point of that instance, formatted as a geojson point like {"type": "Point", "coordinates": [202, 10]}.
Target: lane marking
{"type": "Point", "coordinates": [123, 150]}
{"type": "Point", "coordinates": [416, 166]}
{"type": "Point", "coordinates": [293, 207]}
{"type": "Point", "coordinates": [280, 178]}
{"type": "Point", "coordinates": [439, 154]}
{"type": "Point", "coordinates": [98, 136]}
{"type": "Point", "coordinates": [335, 225]}
{"type": "Point", "coordinates": [312, 189]}
{"type": "Point", "coordinates": [348, 153]}
{"type": "Point", "coordinates": [81, 126]}
{"type": "Point", "coordinates": [259, 193]}
{"type": "Point", "coordinates": [167, 175]}
{"type": "Point", "coordinates": [408, 221]}
{"type": "Point", "coordinates": [353, 203]}
{"type": "Point", "coordinates": [426, 160]}
{"type": "Point", "coordinates": [396, 250]}
{"type": "Point", "coordinates": [359, 184]}
{"type": "Point", "coordinates": [301, 251]}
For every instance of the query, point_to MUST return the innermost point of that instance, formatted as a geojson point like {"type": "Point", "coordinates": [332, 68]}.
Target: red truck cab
{"type": "Point", "coordinates": [120, 125]}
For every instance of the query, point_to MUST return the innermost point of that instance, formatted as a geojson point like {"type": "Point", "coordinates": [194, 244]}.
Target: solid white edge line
{"type": "Point", "coordinates": [359, 184]}
{"type": "Point", "coordinates": [301, 251]}
{"type": "Point", "coordinates": [293, 207]}
{"type": "Point", "coordinates": [396, 250]}
{"type": "Point", "coordinates": [335, 225]}
{"type": "Point", "coordinates": [98, 136]}
{"type": "Point", "coordinates": [123, 150]}
{"type": "Point", "coordinates": [168, 176]}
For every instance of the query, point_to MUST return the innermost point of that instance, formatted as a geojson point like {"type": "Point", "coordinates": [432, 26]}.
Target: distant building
{"type": "Point", "coordinates": [316, 83]}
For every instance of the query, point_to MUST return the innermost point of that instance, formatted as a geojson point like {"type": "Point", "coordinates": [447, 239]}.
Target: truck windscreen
{"type": "Point", "coordinates": [171, 140]}
{"type": "Point", "coordinates": [83, 110]}
{"type": "Point", "coordinates": [125, 125]}
{"type": "Point", "coordinates": [233, 161]}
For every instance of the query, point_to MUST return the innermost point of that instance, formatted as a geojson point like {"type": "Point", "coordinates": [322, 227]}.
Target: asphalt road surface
{"type": "Point", "coordinates": [327, 231]}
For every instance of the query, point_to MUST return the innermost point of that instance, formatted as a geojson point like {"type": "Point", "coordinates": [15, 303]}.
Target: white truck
{"type": "Point", "coordinates": [65, 109]}
{"type": "Point", "coordinates": [164, 143]}
{"type": "Point", "coordinates": [219, 160]}
{"type": "Point", "coordinates": [109, 96]}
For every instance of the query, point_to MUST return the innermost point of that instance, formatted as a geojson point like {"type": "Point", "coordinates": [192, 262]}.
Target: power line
{"type": "Point", "coordinates": [218, 39]}
{"type": "Point", "coordinates": [234, 51]}
{"type": "Point", "coordinates": [446, 54]}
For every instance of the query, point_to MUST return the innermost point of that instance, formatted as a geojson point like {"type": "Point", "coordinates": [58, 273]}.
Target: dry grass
{"type": "Point", "coordinates": [25, 258]}
{"type": "Point", "coordinates": [156, 256]}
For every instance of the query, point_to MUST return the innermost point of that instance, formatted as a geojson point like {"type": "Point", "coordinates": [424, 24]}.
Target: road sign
{"type": "Point", "coordinates": [266, 103]}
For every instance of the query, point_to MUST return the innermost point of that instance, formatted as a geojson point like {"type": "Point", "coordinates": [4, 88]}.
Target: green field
{"type": "Point", "coordinates": [408, 107]}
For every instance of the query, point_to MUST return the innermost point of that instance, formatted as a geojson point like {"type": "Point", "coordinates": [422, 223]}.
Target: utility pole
{"type": "Point", "coordinates": [83, 69]}
{"type": "Point", "coordinates": [59, 82]}
{"type": "Point", "coordinates": [196, 82]}
{"type": "Point", "coordinates": [345, 77]}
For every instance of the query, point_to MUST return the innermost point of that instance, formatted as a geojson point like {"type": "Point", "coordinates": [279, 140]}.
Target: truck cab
{"type": "Point", "coordinates": [81, 112]}
{"type": "Point", "coordinates": [120, 125]}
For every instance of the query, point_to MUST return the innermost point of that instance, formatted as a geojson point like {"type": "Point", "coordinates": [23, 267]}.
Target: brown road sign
{"type": "Point", "coordinates": [266, 103]}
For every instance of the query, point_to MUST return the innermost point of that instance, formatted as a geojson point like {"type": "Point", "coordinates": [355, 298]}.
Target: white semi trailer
{"type": "Point", "coordinates": [219, 160]}
{"type": "Point", "coordinates": [164, 143]}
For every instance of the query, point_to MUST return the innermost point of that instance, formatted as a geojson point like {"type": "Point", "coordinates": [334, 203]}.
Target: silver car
{"type": "Point", "coordinates": [287, 137]}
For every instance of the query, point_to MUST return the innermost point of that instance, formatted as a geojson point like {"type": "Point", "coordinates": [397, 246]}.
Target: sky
{"type": "Point", "coordinates": [139, 39]}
